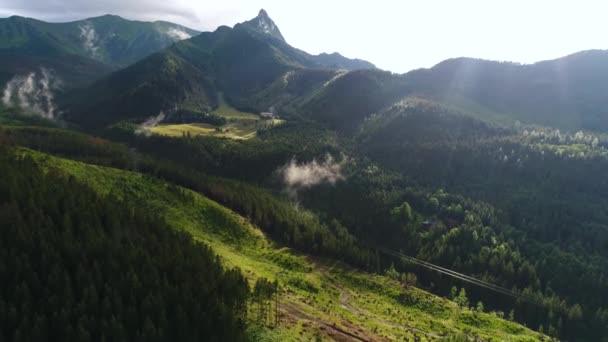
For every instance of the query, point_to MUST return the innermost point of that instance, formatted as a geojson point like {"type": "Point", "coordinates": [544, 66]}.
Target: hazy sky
{"type": "Point", "coordinates": [397, 35]}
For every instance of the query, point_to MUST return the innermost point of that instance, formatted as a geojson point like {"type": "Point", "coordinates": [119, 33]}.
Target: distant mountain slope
{"type": "Point", "coordinates": [108, 39]}
{"type": "Point", "coordinates": [73, 70]}
{"type": "Point", "coordinates": [162, 80]}
{"type": "Point", "coordinates": [81, 51]}
{"type": "Point", "coordinates": [346, 101]}
{"type": "Point", "coordinates": [568, 93]}
{"type": "Point", "coordinates": [336, 60]}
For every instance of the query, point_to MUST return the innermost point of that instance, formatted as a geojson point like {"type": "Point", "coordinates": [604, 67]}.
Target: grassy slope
{"type": "Point", "coordinates": [320, 298]}
{"type": "Point", "coordinates": [232, 130]}
{"type": "Point", "coordinates": [477, 111]}
{"type": "Point", "coordinates": [226, 110]}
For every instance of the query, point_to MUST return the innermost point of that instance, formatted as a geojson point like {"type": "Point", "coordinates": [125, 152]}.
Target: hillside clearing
{"type": "Point", "coordinates": [239, 126]}
{"type": "Point", "coordinates": [236, 130]}
{"type": "Point", "coordinates": [225, 110]}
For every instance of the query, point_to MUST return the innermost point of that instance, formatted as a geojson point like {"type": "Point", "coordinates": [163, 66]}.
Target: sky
{"type": "Point", "coordinates": [396, 35]}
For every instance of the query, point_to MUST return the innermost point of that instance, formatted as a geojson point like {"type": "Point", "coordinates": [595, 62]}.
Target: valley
{"type": "Point", "coordinates": [161, 183]}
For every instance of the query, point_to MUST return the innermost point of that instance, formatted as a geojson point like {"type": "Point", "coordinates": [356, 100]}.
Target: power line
{"type": "Point", "coordinates": [452, 272]}
{"type": "Point", "coordinates": [463, 277]}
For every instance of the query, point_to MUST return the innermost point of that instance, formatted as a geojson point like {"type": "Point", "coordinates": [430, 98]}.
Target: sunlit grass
{"type": "Point", "coordinates": [226, 110]}
{"type": "Point", "coordinates": [234, 130]}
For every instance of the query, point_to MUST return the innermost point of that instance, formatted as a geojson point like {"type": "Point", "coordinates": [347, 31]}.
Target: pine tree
{"type": "Point", "coordinates": [453, 293]}
{"type": "Point", "coordinates": [462, 300]}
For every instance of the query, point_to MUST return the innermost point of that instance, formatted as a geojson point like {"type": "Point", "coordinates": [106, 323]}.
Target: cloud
{"type": "Point", "coordinates": [180, 11]}
{"type": "Point", "coordinates": [144, 128]}
{"type": "Point", "coordinates": [33, 92]}
{"type": "Point", "coordinates": [337, 75]}
{"type": "Point", "coordinates": [297, 176]}
{"type": "Point", "coordinates": [198, 15]}
{"type": "Point", "coordinates": [89, 39]}
{"type": "Point", "coordinates": [178, 34]}
{"type": "Point", "coordinates": [287, 76]}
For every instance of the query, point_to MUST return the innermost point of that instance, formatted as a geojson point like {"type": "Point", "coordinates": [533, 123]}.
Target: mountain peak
{"type": "Point", "coordinates": [263, 14]}
{"type": "Point", "coordinates": [263, 24]}
{"type": "Point", "coordinates": [106, 17]}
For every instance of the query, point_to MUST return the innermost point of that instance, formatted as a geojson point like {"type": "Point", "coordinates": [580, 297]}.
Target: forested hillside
{"type": "Point", "coordinates": [483, 242]}
{"type": "Point", "coordinates": [190, 214]}
{"type": "Point", "coordinates": [80, 266]}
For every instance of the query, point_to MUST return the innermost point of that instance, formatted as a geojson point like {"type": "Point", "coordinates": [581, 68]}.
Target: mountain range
{"type": "Point", "coordinates": [274, 74]}
{"type": "Point", "coordinates": [256, 69]}
{"type": "Point", "coordinates": [244, 63]}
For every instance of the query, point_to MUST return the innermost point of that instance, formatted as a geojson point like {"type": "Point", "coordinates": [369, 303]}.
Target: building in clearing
{"type": "Point", "coordinates": [267, 115]}
{"type": "Point", "coordinates": [428, 224]}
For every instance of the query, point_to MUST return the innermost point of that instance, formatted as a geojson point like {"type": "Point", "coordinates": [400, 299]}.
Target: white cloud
{"type": "Point", "coordinates": [337, 75]}
{"type": "Point", "coordinates": [33, 92]}
{"type": "Point", "coordinates": [306, 175]}
{"type": "Point", "coordinates": [178, 34]}
{"type": "Point", "coordinates": [89, 39]}
{"type": "Point", "coordinates": [153, 121]}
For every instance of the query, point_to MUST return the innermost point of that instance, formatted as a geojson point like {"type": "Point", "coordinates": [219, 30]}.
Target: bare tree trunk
{"type": "Point", "coordinates": [277, 307]}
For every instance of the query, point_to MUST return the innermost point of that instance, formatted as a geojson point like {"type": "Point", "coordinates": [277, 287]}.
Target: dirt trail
{"type": "Point", "coordinates": [333, 331]}
{"type": "Point", "coordinates": [345, 302]}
